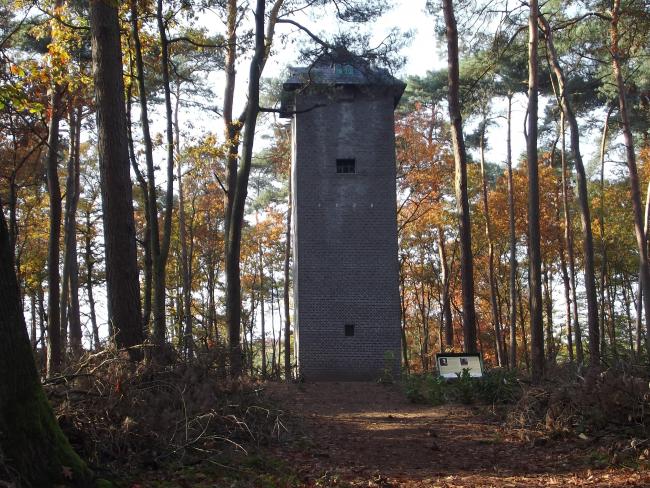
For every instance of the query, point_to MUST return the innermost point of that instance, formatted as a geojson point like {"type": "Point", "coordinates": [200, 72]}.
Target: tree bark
{"type": "Point", "coordinates": [70, 287]}
{"type": "Point", "coordinates": [237, 179]}
{"type": "Point", "coordinates": [601, 222]}
{"type": "Point", "coordinates": [460, 159]}
{"type": "Point", "coordinates": [447, 323]}
{"type": "Point", "coordinates": [117, 201]}
{"type": "Point", "coordinates": [494, 307]}
{"type": "Point", "coordinates": [188, 340]}
{"type": "Point", "coordinates": [534, 249]}
{"type": "Point", "coordinates": [635, 192]}
{"type": "Point", "coordinates": [30, 438]}
{"type": "Point", "coordinates": [583, 199]}
{"type": "Point", "coordinates": [160, 268]}
{"type": "Point", "coordinates": [548, 302]}
{"type": "Point", "coordinates": [90, 264]}
{"type": "Point", "coordinates": [513, 242]}
{"type": "Point", "coordinates": [54, 346]}
{"type": "Point", "coordinates": [287, 277]}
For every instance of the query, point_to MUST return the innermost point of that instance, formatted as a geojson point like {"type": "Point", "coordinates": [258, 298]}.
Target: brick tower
{"type": "Point", "coordinates": [345, 272]}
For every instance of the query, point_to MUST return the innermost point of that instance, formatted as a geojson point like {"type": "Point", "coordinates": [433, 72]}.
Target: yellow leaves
{"type": "Point", "coordinates": [16, 70]}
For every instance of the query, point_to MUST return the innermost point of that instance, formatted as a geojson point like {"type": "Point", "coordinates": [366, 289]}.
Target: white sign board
{"type": "Point", "coordinates": [451, 365]}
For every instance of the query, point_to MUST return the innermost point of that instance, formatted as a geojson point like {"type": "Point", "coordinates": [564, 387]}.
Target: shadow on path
{"type": "Point", "coordinates": [366, 434]}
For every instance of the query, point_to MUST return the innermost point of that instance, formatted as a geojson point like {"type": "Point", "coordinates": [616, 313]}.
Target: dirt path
{"type": "Point", "coordinates": [365, 434]}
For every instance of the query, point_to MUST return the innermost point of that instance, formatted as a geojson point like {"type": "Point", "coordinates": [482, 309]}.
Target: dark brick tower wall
{"type": "Point", "coordinates": [345, 233]}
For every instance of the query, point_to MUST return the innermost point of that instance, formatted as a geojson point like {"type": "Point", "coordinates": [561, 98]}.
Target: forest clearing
{"type": "Point", "coordinates": [350, 434]}
{"type": "Point", "coordinates": [324, 243]}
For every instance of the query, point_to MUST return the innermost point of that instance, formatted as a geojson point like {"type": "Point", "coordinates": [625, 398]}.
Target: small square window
{"type": "Point", "coordinates": [345, 165]}
{"type": "Point", "coordinates": [349, 330]}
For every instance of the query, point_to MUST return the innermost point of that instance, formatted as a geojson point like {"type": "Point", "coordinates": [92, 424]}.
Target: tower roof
{"type": "Point", "coordinates": [339, 68]}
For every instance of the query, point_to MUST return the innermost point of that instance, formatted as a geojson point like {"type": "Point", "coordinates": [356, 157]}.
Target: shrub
{"type": "Point", "coordinates": [496, 386]}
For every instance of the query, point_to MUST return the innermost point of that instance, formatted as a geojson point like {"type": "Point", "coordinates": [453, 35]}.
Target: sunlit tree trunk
{"type": "Point", "coordinates": [462, 203]}
{"type": "Point", "coordinates": [628, 139]}
{"type": "Point", "coordinates": [513, 242]}
{"type": "Point", "coordinates": [405, 349]}
{"type": "Point", "coordinates": [494, 307]}
{"type": "Point", "coordinates": [160, 267]}
{"type": "Point", "coordinates": [188, 342]}
{"type": "Point", "coordinates": [445, 279]}
{"type": "Point", "coordinates": [534, 249]}
{"type": "Point", "coordinates": [90, 264]}
{"type": "Point", "coordinates": [583, 199]}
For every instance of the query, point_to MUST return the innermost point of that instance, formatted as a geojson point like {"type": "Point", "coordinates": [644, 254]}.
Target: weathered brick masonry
{"type": "Point", "coordinates": [345, 231]}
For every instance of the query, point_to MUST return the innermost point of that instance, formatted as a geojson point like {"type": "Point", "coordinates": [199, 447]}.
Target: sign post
{"type": "Point", "coordinates": [451, 364]}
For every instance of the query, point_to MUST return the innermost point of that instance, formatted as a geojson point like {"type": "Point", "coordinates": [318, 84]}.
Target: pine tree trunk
{"type": "Point", "coordinates": [635, 193]}
{"type": "Point", "coordinates": [405, 355]}
{"type": "Point", "coordinates": [534, 249]}
{"type": "Point", "coordinates": [447, 323]}
{"type": "Point", "coordinates": [462, 203]}
{"type": "Point", "coordinates": [513, 242]}
{"type": "Point", "coordinates": [494, 307]}
{"type": "Point", "coordinates": [548, 302]}
{"type": "Point", "coordinates": [70, 286]}
{"type": "Point", "coordinates": [188, 342]}
{"type": "Point", "coordinates": [90, 264]}
{"type": "Point", "coordinates": [160, 270]}
{"type": "Point", "coordinates": [262, 317]}
{"type": "Point", "coordinates": [117, 201]}
{"type": "Point", "coordinates": [30, 437]}
{"type": "Point", "coordinates": [54, 340]}
{"type": "Point", "coordinates": [583, 199]}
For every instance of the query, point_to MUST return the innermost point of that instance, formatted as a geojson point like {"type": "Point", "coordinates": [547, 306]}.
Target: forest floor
{"type": "Point", "coordinates": [368, 434]}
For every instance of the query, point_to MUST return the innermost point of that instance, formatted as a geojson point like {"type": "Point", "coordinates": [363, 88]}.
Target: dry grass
{"type": "Point", "coordinates": [117, 413]}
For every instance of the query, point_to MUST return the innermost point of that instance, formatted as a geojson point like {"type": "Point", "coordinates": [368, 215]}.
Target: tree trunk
{"type": "Point", "coordinates": [583, 199]}
{"type": "Point", "coordinates": [534, 249]}
{"type": "Point", "coordinates": [70, 285]}
{"type": "Point", "coordinates": [460, 159]}
{"type": "Point", "coordinates": [513, 242]}
{"type": "Point", "coordinates": [90, 264]}
{"type": "Point", "coordinates": [54, 346]}
{"type": "Point", "coordinates": [32, 303]}
{"type": "Point", "coordinates": [568, 239]}
{"type": "Point", "coordinates": [548, 302]}
{"type": "Point", "coordinates": [522, 322]}
{"type": "Point", "coordinates": [494, 307]}
{"type": "Point", "coordinates": [117, 201]}
{"type": "Point", "coordinates": [601, 222]}
{"type": "Point", "coordinates": [405, 351]}
{"type": "Point", "coordinates": [231, 262]}
{"type": "Point", "coordinates": [146, 239]}
{"type": "Point", "coordinates": [447, 323]}
{"type": "Point", "coordinates": [567, 298]}
{"type": "Point", "coordinates": [160, 268]}
{"type": "Point", "coordinates": [635, 192]}
{"type": "Point", "coordinates": [31, 439]}
{"type": "Point", "coordinates": [237, 180]}
{"type": "Point", "coordinates": [287, 308]}
{"type": "Point", "coordinates": [157, 267]}
{"type": "Point", "coordinates": [262, 307]}
{"type": "Point", "coordinates": [188, 342]}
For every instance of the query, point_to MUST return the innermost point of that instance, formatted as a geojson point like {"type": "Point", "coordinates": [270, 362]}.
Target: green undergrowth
{"type": "Point", "coordinates": [497, 386]}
